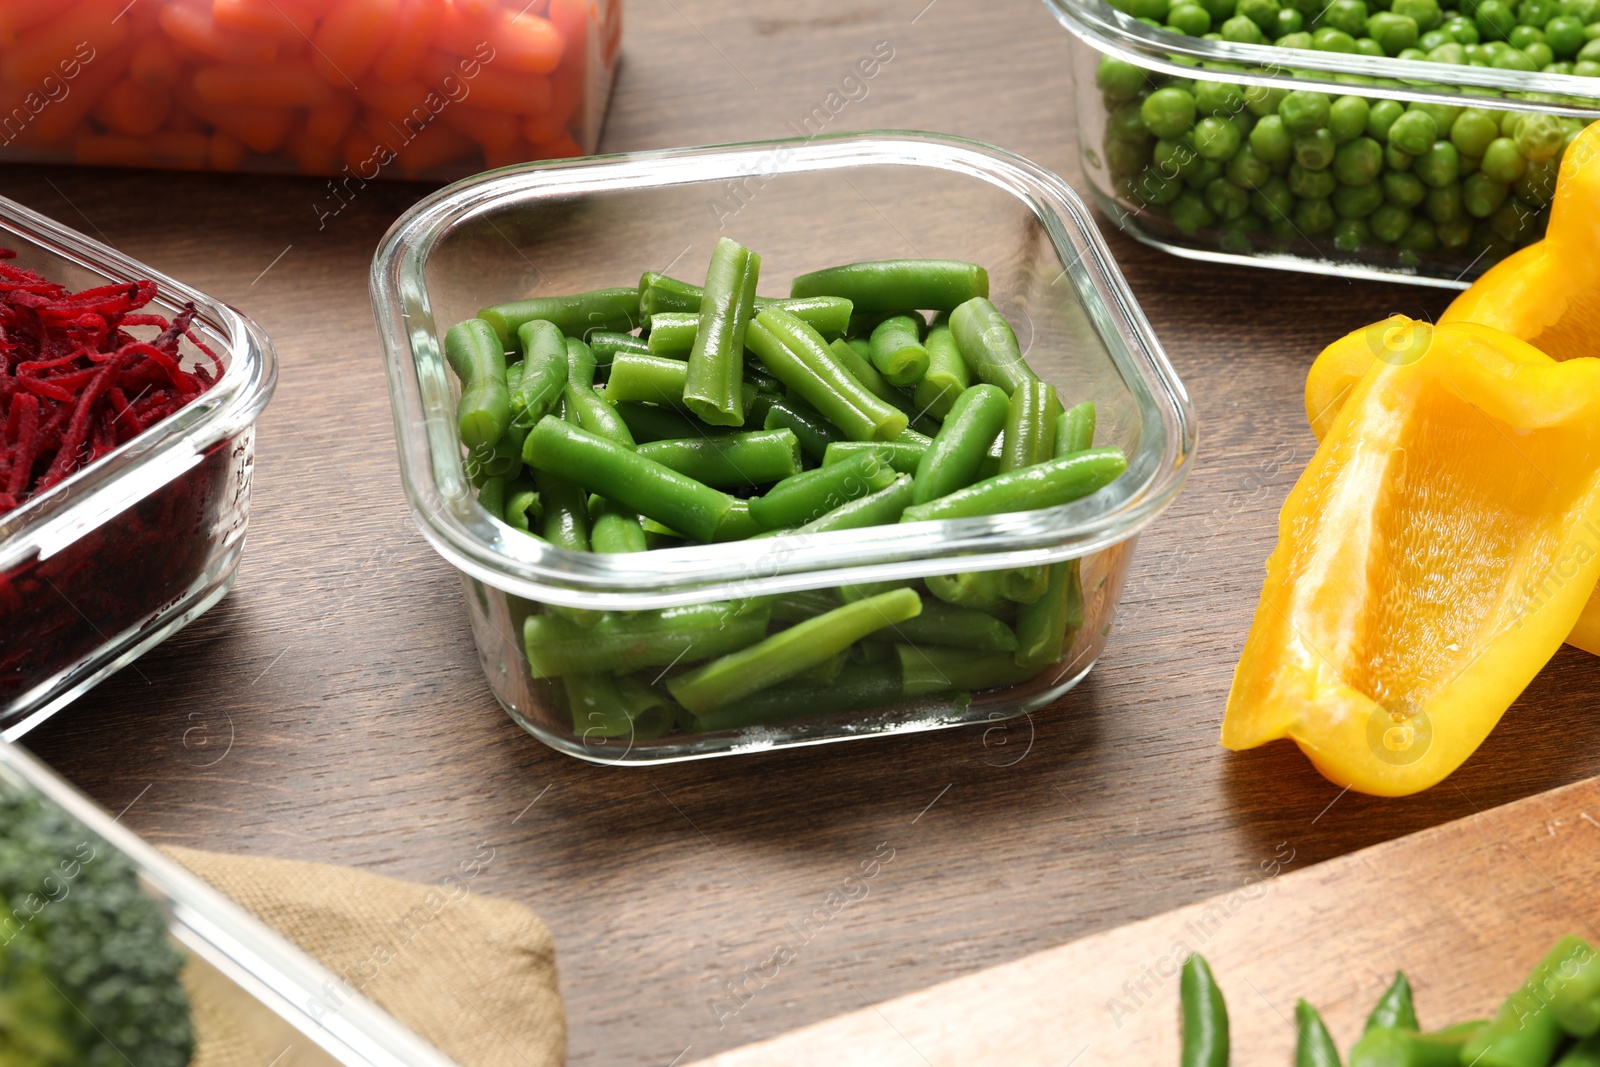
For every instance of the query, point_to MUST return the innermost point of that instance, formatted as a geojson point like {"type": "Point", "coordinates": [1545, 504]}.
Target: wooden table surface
{"type": "Point", "coordinates": [332, 708]}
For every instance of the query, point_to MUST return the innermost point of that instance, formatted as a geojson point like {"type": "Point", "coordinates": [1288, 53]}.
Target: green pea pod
{"type": "Point", "coordinates": [1395, 1009]}
{"type": "Point", "coordinates": [479, 360]}
{"type": "Point", "coordinates": [1314, 1047]}
{"type": "Point", "coordinates": [1204, 1016]}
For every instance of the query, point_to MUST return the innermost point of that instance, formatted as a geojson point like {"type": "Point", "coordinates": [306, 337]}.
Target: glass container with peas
{"type": "Point", "coordinates": [1417, 139]}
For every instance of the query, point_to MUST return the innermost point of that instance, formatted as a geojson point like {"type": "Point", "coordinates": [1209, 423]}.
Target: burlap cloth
{"type": "Point", "coordinates": [472, 976]}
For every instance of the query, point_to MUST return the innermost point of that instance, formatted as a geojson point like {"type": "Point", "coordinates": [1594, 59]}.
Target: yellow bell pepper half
{"type": "Point", "coordinates": [1430, 560]}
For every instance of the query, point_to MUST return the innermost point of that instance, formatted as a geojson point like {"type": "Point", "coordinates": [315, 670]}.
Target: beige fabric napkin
{"type": "Point", "coordinates": [472, 976]}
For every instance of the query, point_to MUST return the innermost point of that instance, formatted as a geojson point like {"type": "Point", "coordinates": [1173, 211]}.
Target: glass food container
{"type": "Point", "coordinates": [245, 974]}
{"type": "Point", "coordinates": [561, 228]}
{"type": "Point", "coordinates": [352, 89]}
{"type": "Point", "coordinates": [1442, 231]}
{"type": "Point", "coordinates": [116, 558]}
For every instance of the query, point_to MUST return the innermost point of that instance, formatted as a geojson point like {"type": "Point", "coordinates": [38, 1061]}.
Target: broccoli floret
{"type": "Point", "coordinates": [88, 975]}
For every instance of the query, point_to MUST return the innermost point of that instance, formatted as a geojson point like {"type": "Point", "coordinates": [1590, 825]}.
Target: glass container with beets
{"type": "Point", "coordinates": [430, 89]}
{"type": "Point", "coordinates": [144, 531]}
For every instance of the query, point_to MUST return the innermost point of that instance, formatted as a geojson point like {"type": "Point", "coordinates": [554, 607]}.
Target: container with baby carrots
{"type": "Point", "coordinates": [428, 89]}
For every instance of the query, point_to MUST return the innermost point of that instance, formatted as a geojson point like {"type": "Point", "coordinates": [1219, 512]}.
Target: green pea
{"type": "Point", "coordinates": [1389, 222]}
{"type": "Point", "coordinates": [1539, 55]}
{"type": "Point", "coordinates": [1366, 46]}
{"type": "Point", "coordinates": [1241, 30]}
{"type": "Point", "coordinates": [1126, 124]}
{"type": "Point", "coordinates": [1359, 162]}
{"type": "Point", "coordinates": [1565, 35]}
{"type": "Point", "coordinates": [1503, 161]}
{"type": "Point", "coordinates": [1443, 204]}
{"type": "Point", "coordinates": [1315, 150]}
{"type": "Point", "coordinates": [1396, 158]}
{"type": "Point", "coordinates": [1585, 11]}
{"type": "Point", "coordinates": [1357, 201]}
{"type": "Point", "coordinates": [1433, 39]}
{"type": "Point", "coordinates": [1328, 39]}
{"type": "Point", "coordinates": [1347, 15]}
{"type": "Point", "coordinates": [1439, 165]}
{"type": "Point", "coordinates": [1462, 30]}
{"type": "Point", "coordinates": [1216, 139]}
{"type": "Point", "coordinates": [1168, 112]}
{"type": "Point", "coordinates": [1538, 183]}
{"type": "Point", "coordinates": [1413, 55]}
{"type": "Point", "coordinates": [1226, 200]}
{"type": "Point", "coordinates": [1189, 18]}
{"type": "Point", "coordinates": [1248, 170]}
{"type": "Point", "coordinates": [1475, 55]}
{"type": "Point", "coordinates": [1513, 219]}
{"type": "Point", "coordinates": [1522, 36]}
{"type": "Point", "coordinates": [1350, 234]}
{"type": "Point", "coordinates": [1420, 236]}
{"type": "Point", "coordinates": [1347, 118]}
{"type": "Point", "coordinates": [1560, 66]}
{"type": "Point", "coordinates": [1155, 188]}
{"type": "Point", "coordinates": [1426, 13]}
{"type": "Point", "coordinates": [1119, 80]}
{"type": "Point", "coordinates": [1264, 13]}
{"type": "Point", "coordinates": [1454, 236]}
{"type": "Point", "coordinates": [1263, 101]}
{"type": "Point", "coordinates": [1289, 21]}
{"type": "Point", "coordinates": [1539, 137]}
{"type": "Point", "coordinates": [1403, 188]}
{"type": "Point", "coordinates": [1125, 158]}
{"type": "Point", "coordinates": [1494, 20]}
{"type": "Point", "coordinates": [1189, 212]}
{"type": "Point", "coordinates": [1207, 172]}
{"type": "Point", "coordinates": [1586, 68]}
{"type": "Point", "coordinates": [1449, 52]}
{"type": "Point", "coordinates": [1144, 9]}
{"type": "Point", "coordinates": [1314, 217]}
{"type": "Point", "coordinates": [1311, 184]}
{"type": "Point", "coordinates": [1537, 12]}
{"type": "Point", "coordinates": [1274, 200]}
{"type": "Point", "coordinates": [1481, 195]}
{"type": "Point", "coordinates": [1381, 116]}
{"type": "Point", "coordinates": [1472, 131]}
{"type": "Point", "coordinates": [1175, 157]}
{"type": "Point", "coordinates": [1303, 111]}
{"type": "Point", "coordinates": [1271, 141]}
{"type": "Point", "coordinates": [1300, 40]}
{"type": "Point", "coordinates": [1219, 10]}
{"type": "Point", "coordinates": [1217, 98]}
{"type": "Point", "coordinates": [1413, 132]}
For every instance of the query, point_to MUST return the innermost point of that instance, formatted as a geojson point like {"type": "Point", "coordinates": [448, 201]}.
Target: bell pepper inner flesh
{"type": "Point", "coordinates": [1432, 557]}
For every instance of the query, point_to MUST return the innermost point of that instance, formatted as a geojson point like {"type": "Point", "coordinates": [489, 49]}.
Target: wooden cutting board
{"type": "Point", "coordinates": [1465, 909]}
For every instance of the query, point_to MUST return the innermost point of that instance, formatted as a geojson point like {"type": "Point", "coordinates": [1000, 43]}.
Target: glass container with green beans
{"type": "Point", "coordinates": [1416, 140]}
{"type": "Point", "coordinates": [844, 466]}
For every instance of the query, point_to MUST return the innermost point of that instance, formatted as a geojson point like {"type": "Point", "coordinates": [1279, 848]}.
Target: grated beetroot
{"type": "Point", "coordinates": [74, 383]}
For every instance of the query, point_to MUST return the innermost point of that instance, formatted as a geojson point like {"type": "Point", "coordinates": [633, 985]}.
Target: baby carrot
{"type": "Point", "coordinates": [413, 31]}
{"type": "Point", "coordinates": [192, 26]}
{"type": "Point", "coordinates": [351, 37]}
{"type": "Point", "coordinates": [38, 52]}
{"type": "Point", "coordinates": [19, 15]}
{"type": "Point", "coordinates": [433, 147]}
{"type": "Point", "coordinates": [132, 108]}
{"type": "Point", "coordinates": [226, 151]}
{"type": "Point", "coordinates": [263, 16]}
{"type": "Point", "coordinates": [154, 65]}
{"type": "Point", "coordinates": [395, 101]}
{"type": "Point", "coordinates": [280, 85]}
{"type": "Point", "coordinates": [526, 42]}
{"type": "Point", "coordinates": [494, 131]}
{"type": "Point", "coordinates": [263, 129]}
{"type": "Point", "coordinates": [325, 125]}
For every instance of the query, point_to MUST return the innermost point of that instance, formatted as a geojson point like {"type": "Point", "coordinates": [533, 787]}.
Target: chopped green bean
{"type": "Point", "coordinates": [797, 356]}
{"type": "Point", "coordinates": [713, 390]}
{"type": "Point", "coordinates": [901, 455]}
{"type": "Point", "coordinates": [861, 368]}
{"type": "Point", "coordinates": [653, 380]}
{"type": "Point", "coordinates": [816, 434]}
{"type": "Point", "coordinates": [1204, 1014]}
{"type": "Point", "coordinates": [828, 315]}
{"type": "Point", "coordinates": [809, 495]}
{"type": "Point", "coordinates": [1030, 433]}
{"type": "Point", "coordinates": [612, 310]}
{"type": "Point", "coordinates": [593, 412]}
{"type": "Point", "coordinates": [947, 375]}
{"type": "Point", "coordinates": [523, 510]}
{"type": "Point", "coordinates": [859, 686]}
{"type": "Point", "coordinates": [730, 460]}
{"type": "Point", "coordinates": [737, 525]}
{"type": "Point", "coordinates": [932, 669]}
{"type": "Point", "coordinates": [892, 285]}
{"type": "Point", "coordinates": [1576, 1002]}
{"type": "Point", "coordinates": [625, 642]}
{"type": "Point", "coordinates": [672, 335]}
{"type": "Point", "coordinates": [1386, 1046]}
{"type": "Point", "coordinates": [566, 512]}
{"type": "Point", "coordinates": [978, 590]}
{"type": "Point", "coordinates": [948, 626]}
{"type": "Point", "coordinates": [1044, 485]}
{"type": "Point", "coordinates": [988, 345]}
{"type": "Point", "coordinates": [1315, 1047]}
{"type": "Point", "coordinates": [879, 508]}
{"type": "Point", "coordinates": [607, 343]}
{"type": "Point", "coordinates": [614, 529]}
{"type": "Point", "coordinates": [492, 495]}
{"type": "Point", "coordinates": [897, 350]}
{"type": "Point", "coordinates": [1075, 429]}
{"type": "Point", "coordinates": [603, 706]}
{"type": "Point", "coordinates": [479, 360]}
{"type": "Point", "coordinates": [653, 422]}
{"type": "Point", "coordinates": [956, 455]}
{"type": "Point", "coordinates": [1524, 1032]}
{"type": "Point", "coordinates": [1394, 1009]}
{"type": "Point", "coordinates": [1042, 624]}
{"type": "Point", "coordinates": [543, 377]}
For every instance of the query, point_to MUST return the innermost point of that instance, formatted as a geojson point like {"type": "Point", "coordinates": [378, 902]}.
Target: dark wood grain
{"type": "Point", "coordinates": [332, 708]}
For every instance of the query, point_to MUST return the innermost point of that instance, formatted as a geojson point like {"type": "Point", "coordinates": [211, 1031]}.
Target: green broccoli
{"type": "Point", "coordinates": [88, 975]}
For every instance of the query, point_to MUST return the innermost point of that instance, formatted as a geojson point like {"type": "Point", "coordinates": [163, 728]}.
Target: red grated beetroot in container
{"type": "Point", "coordinates": [75, 383]}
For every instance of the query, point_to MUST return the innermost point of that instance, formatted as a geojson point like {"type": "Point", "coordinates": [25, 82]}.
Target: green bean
{"type": "Point", "coordinates": [614, 529]}
{"type": "Point", "coordinates": [543, 377]}
{"type": "Point", "coordinates": [735, 459]}
{"type": "Point", "coordinates": [1042, 624]}
{"type": "Point", "coordinates": [816, 433]}
{"type": "Point", "coordinates": [1023, 585]}
{"type": "Point", "coordinates": [1577, 1002]}
{"type": "Point", "coordinates": [947, 375]}
{"type": "Point", "coordinates": [492, 495]}
{"type": "Point", "coordinates": [612, 310]}
{"type": "Point", "coordinates": [625, 642]}
{"type": "Point", "coordinates": [1075, 429]}
{"type": "Point", "coordinates": [1585, 1053]}
{"type": "Point", "coordinates": [891, 285]}
{"type": "Point", "coordinates": [566, 512]}
{"type": "Point", "coordinates": [672, 334]}
{"type": "Point", "coordinates": [654, 380]}
{"type": "Point", "coordinates": [880, 508]}
{"type": "Point", "coordinates": [802, 605]}
{"type": "Point", "coordinates": [501, 459]}
{"type": "Point", "coordinates": [859, 686]}
{"type": "Point", "coordinates": [614, 471]}
{"type": "Point", "coordinates": [828, 315]}
{"type": "Point", "coordinates": [605, 706]}
{"type": "Point", "coordinates": [1524, 1032]}
{"type": "Point", "coordinates": [593, 412]}
{"type": "Point", "coordinates": [1395, 1009]}
{"type": "Point", "coordinates": [1391, 1047]}
{"type": "Point", "coordinates": [978, 590]}
{"type": "Point", "coordinates": [1074, 610]}
{"type": "Point", "coordinates": [652, 422]}
{"type": "Point", "coordinates": [659, 293]}
{"type": "Point", "coordinates": [989, 347]}
{"type": "Point", "coordinates": [948, 626]}
{"type": "Point", "coordinates": [607, 343]}
{"type": "Point", "coordinates": [716, 363]}
{"type": "Point", "coordinates": [824, 673]}
{"type": "Point", "coordinates": [897, 349]}
{"type": "Point", "coordinates": [789, 652]}
{"type": "Point", "coordinates": [937, 670]}
{"type": "Point", "coordinates": [954, 458]}
{"type": "Point", "coordinates": [1030, 434]}
{"type": "Point", "coordinates": [851, 592]}
{"type": "Point", "coordinates": [1204, 1016]}
{"type": "Point", "coordinates": [737, 525]}
{"type": "Point", "coordinates": [1043, 485]}
{"type": "Point", "coordinates": [764, 382]}
{"type": "Point", "coordinates": [862, 370]}
{"type": "Point", "coordinates": [479, 360]}
{"type": "Point", "coordinates": [806, 496]}
{"type": "Point", "coordinates": [1314, 1047]}
{"type": "Point", "coordinates": [523, 510]}
{"type": "Point", "coordinates": [797, 356]}
{"type": "Point", "coordinates": [901, 455]}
